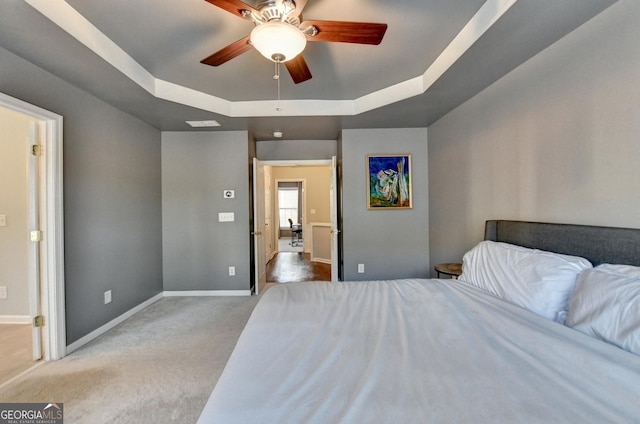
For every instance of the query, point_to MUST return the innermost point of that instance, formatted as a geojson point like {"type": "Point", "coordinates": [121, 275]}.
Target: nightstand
{"type": "Point", "coordinates": [452, 269]}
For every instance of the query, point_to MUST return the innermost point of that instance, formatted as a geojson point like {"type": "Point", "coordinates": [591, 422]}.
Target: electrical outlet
{"type": "Point", "coordinates": [107, 297]}
{"type": "Point", "coordinates": [360, 268]}
{"type": "Point", "coordinates": [3, 220]}
{"type": "Point", "coordinates": [3, 292]}
{"type": "Point", "coordinates": [232, 271]}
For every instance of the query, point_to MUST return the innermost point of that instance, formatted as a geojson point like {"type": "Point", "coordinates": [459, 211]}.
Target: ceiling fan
{"type": "Point", "coordinates": [280, 34]}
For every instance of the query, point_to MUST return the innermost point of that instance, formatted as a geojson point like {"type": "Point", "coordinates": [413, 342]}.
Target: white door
{"type": "Point", "coordinates": [259, 226]}
{"type": "Point", "coordinates": [333, 205]}
{"type": "Point", "coordinates": [268, 208]}
{"type": "Point", "coordinates": [34, 226]}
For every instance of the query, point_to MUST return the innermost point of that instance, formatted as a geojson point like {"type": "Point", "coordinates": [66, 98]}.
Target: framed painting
{"type": "Point", "coordinates": [389, 182]}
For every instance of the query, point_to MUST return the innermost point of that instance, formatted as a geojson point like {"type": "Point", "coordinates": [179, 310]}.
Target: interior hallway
{"type": "Point", "coordinates": [295, 266]}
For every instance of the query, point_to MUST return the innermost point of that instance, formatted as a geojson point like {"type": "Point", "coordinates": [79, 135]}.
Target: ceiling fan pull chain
{"type": "Point", "coordinates": [277, 78]}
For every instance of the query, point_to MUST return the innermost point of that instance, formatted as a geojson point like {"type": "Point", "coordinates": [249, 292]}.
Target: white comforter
{"type": "Point", "coordinates": [416, 351]}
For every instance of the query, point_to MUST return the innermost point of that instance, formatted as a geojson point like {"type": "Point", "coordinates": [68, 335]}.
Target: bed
{"type": "Point", "coordinates": [449, 351]}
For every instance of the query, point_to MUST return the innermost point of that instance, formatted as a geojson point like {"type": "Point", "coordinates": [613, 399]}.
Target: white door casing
{"type": "Point", "coordinates": [51, 224]}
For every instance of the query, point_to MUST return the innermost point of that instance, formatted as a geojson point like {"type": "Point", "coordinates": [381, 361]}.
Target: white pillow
{"type": "Point", "coordinates": [539, 281]}
{"type": "Point", "coordinates": [606, 305]}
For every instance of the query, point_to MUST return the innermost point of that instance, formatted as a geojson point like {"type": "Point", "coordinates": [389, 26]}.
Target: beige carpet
{"type": "Point", "coordinates": [159, 366]}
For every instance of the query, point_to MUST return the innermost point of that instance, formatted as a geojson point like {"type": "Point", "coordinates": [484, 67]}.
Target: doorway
{"type": "Point", "coordinates": [288, 211]}
{"type": "Point", "coordinates": [300, 191]}
{"type": "Point", "coordinates": [18, 343]}
{"type": "Point", "coordinates": [45, 261]}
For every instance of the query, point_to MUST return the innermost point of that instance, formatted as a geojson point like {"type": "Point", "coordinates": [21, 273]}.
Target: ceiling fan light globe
{"type": "Point", "coordinates": [278, 40]}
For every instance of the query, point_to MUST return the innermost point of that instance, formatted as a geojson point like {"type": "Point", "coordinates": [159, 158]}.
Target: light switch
{"type": "Point", "coordinates": [226, 217]}
{"type": "Point", "coordinates": [3, 220]}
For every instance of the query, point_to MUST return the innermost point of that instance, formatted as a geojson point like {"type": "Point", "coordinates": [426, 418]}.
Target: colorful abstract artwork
{"type": "Point", "coordinates": [389, 182]}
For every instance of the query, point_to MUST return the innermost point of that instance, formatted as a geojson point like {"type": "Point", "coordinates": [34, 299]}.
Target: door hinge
{"type": "Point", "coordinates": [37, 150]}
{"type": "Point", "coordinates": [36, 235]}
{"type": "Point", "coordinates": [38, 321]}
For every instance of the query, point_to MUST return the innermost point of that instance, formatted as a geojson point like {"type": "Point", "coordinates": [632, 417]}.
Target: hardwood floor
{"type": "Point", "coordinates": [15, 350]}
{"type": "Point", "coordinates": [294, 267]}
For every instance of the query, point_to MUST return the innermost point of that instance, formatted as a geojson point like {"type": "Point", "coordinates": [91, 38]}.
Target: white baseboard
{"type": "Point", "coordinates": [202, 293]}
{"type": "Point", "coordinates": [15, 319]}
{"type": "Point", "coordinates": [321, 260]}
{"type": "Point", "coordinates": [108, 326]}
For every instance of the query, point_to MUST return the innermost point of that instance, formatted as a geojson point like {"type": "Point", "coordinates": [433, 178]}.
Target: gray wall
{"type": "Point", "coordinates": [112, 194]}
{"type": "Point", "coordinates": [391, 244]}
{"type": "Point", "coordinates": [197, 249]}
{"type": "Point", "coordinates": [14, 243]}
{"type": "Point", "coordinates": [296, 149]}
{"type": "Point", "coordinates": [555, 140]}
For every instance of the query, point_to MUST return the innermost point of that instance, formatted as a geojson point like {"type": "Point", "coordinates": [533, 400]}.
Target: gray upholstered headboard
{"type": "Point", "coordinates": [597, 244]}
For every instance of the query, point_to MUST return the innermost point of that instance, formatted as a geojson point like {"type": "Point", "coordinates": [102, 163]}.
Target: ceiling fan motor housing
{"type": "Point", "coordinates": [268, 10]}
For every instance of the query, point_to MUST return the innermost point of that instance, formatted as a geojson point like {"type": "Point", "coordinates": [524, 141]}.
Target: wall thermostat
{"type": "Point", "coordinates": [229, 194]}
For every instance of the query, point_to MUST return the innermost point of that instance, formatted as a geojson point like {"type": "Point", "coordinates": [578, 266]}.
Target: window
{"type": "Point", "coordinates": [288, 205]}
{"type": "Point", "coordinates": [289, 202]}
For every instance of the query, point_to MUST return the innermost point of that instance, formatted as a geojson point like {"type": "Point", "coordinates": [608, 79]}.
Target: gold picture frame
{"type": "Point", "coordinates": [389, 183]}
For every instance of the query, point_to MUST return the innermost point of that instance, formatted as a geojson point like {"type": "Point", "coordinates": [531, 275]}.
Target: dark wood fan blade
{"type": "Point", "coordinates": [298, 69]}
{"type": "Point", "coordinates": [232, 50]}
{"type": "Point", "coordinates": [347, 32]}
{"type": "Point", "coordinates": [232, 6]}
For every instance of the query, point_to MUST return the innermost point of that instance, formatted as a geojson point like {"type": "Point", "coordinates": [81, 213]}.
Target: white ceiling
{"type": "Point", "coordinates": [143, 57]}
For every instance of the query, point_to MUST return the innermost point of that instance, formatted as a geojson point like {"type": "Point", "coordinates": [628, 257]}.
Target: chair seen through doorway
{"type": "Point", "coordinates": [296, 234]}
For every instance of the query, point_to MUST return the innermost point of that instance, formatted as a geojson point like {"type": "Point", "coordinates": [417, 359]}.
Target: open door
{"type": "Point", "coordinates": [48, 278]}
{"type": "Point", "coordinates": [35, 156]}
{"type": "Point", "coordinates": [259, 226]}
{"type": "Point", "coordinates": [333, 204]}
